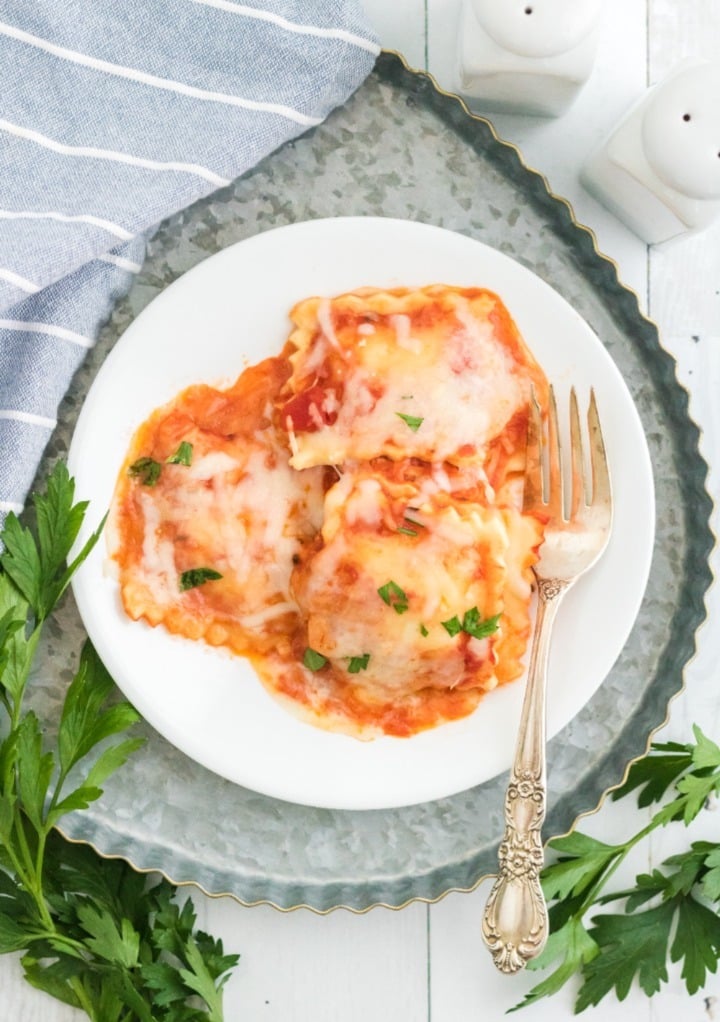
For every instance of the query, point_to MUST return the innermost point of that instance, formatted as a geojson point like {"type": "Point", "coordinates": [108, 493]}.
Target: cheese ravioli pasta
{"type": "Point", "coordinates": [348, 514]}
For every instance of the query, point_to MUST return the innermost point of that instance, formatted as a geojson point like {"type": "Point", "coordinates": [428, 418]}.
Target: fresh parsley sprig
{"type": "Point", "coordinates": [93, 933]}
{"type": "Point", "coordinates": [672, 914]}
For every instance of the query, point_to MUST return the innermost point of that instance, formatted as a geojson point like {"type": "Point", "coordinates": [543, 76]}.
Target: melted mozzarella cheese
{"type": "Point", "coordinates": [239, 509]}
{"type": "Point", "coordinates": [449, 358]}
{"type": "Point", "coordinates": [454, 561]}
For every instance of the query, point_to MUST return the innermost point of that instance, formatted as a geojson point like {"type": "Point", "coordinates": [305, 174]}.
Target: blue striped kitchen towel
{"type": "Point", "coordinates": [112, 117]}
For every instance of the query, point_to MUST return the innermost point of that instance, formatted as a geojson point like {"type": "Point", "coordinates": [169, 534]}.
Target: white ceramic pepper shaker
{"type": "Point", "coordinates": [659, 171]}
{"type": "Point", "coordinates": [526, 56]}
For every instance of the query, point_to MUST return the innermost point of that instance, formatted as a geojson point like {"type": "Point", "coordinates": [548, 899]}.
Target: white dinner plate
{"type": "Point", "coordinates": [232, 310]}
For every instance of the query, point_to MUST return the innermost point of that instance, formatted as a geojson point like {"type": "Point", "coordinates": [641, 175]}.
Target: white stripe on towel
{"type": "Point", "coordinates": [135, 75]}
{"type": "Point", "coordinates": [110, 154]}
{"type": "Point", "coordinates": [65, 218]}
{"type": "Point", "coordinates": [10, 505]}
{"type": "Point", "coordinates": [121, 261]}
{"type": "Point", "coordinates": [22, 282]}
{"type": "Point", "coordinates": [292, 26]}
{"type": "Point", "coordinates": [29, 417]}
{"type": "Point", "coordinates": [47, 328]}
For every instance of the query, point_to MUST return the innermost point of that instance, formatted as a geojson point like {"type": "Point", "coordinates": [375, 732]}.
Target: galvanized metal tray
{"type": "Point", "coordinates": [403, 148]}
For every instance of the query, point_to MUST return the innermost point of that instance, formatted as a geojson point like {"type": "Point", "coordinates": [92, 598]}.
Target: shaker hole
{"type": "Point", "coordinates": [528, 10]}
{"type": "Point", "coordinates": [686, 117]}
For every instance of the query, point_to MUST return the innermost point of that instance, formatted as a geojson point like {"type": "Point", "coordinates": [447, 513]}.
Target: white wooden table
{"type": "Point", "coordinates": [428, 963]}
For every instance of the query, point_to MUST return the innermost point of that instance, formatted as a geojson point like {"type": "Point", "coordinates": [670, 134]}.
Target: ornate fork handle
{"type": "Point", "coordinates": [515, 924]}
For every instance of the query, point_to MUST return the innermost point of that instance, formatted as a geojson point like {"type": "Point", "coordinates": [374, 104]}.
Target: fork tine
{"type": "Point", "coordinates": [601, 491]}
{"type": "Point", "coordinates": [533, 485]}
{"type": "Point", "coordinates": [555, 501]}
{"type": "Point", "coordinates": [578, 495]}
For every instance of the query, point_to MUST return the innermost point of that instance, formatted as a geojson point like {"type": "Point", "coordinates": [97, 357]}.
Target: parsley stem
{"type": "Point", "coordinates": [40, 854]}
{"type": "Point", "coordinates": [57, 791]}
{"type": "Point", "coordinates": [29, 874]}
{"type": "Point", "coordinates": [31, 648]}
{"type": "Point", "coordinates": [18, 866]}
{"type": "Point", "coordinates": [623, 851]}
{"type": "Point", "coordinates": [83, 999]}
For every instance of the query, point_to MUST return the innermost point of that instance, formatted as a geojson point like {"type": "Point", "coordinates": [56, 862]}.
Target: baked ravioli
{"type": "Point", "coordinates": [368, 364]}
{"type": "Point", "coordinates": [348, 514]}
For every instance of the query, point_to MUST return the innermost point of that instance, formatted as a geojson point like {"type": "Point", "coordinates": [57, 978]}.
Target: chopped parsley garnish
{"type": "Point", "coordinates": [472, 623]}
{"type": "Point", "coordinates": [197, 577]}
{"type": "Point", "coordinates": [393, 595]}
{"type": "Point", "coordinates": [413, 421]}
{"type": "Point", "coordinates": [410, 526]}
{"type": "Point", "coordinates": [147, 470]}
{"type": "Point", "coordinates": [423, 631]}
{"type": "Point", "coordinates": [478, 627]}
{"type": "Point", "coordinates": [313, 660]}
{"type": "Point", "coordinates": [358, 663]}
{"type": "Point", "coordinates": [183, 455]}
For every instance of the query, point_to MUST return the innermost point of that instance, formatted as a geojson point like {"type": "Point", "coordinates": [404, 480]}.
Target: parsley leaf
{"type": "Point", "coordinates": [655, 773]}
{"type": "Point", "coordinates": [711, 879]}
{"type": "Point", "coordinates": [314, 660]}
{"type": "Point", "coordinates": [194, 577]}
{"type": "Point", "coordinates": [574, 945]}
{"type": "Point", "coordinates": [686, 869]}
{"type": "Point", "coordinates": [115, 944]}
{"type": "Point", "coordinates": [35, 557]}
{"type": "Point", "coordinates": [697, 784]}
{"type": "Point", "coordinates": [147, 470]}
{"type": "Point", "coordinates": [629, 945]}
{"type": "Point", "coordinates": [182, 456]}
{"type": "Point", "coordinates": [582, 861]}
{"type": "Point", "coordinates": [393, 595]}
{"type": "Point", "coordinates": [423, 631]}
{"type": "Point", "coordinates": [696, 943]}
{"type": "Point", "coordinates": [413, 421]}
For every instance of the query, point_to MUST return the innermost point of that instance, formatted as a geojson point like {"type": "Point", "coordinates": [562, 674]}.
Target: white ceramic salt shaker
{"type": "Point", "coordinates": [526, 56]}
{"type": "Point", "coordinates": [659, 171]}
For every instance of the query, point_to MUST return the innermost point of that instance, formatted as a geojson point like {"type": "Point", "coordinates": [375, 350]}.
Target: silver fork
{"type": "Point", "coordinates": [579, 518]}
